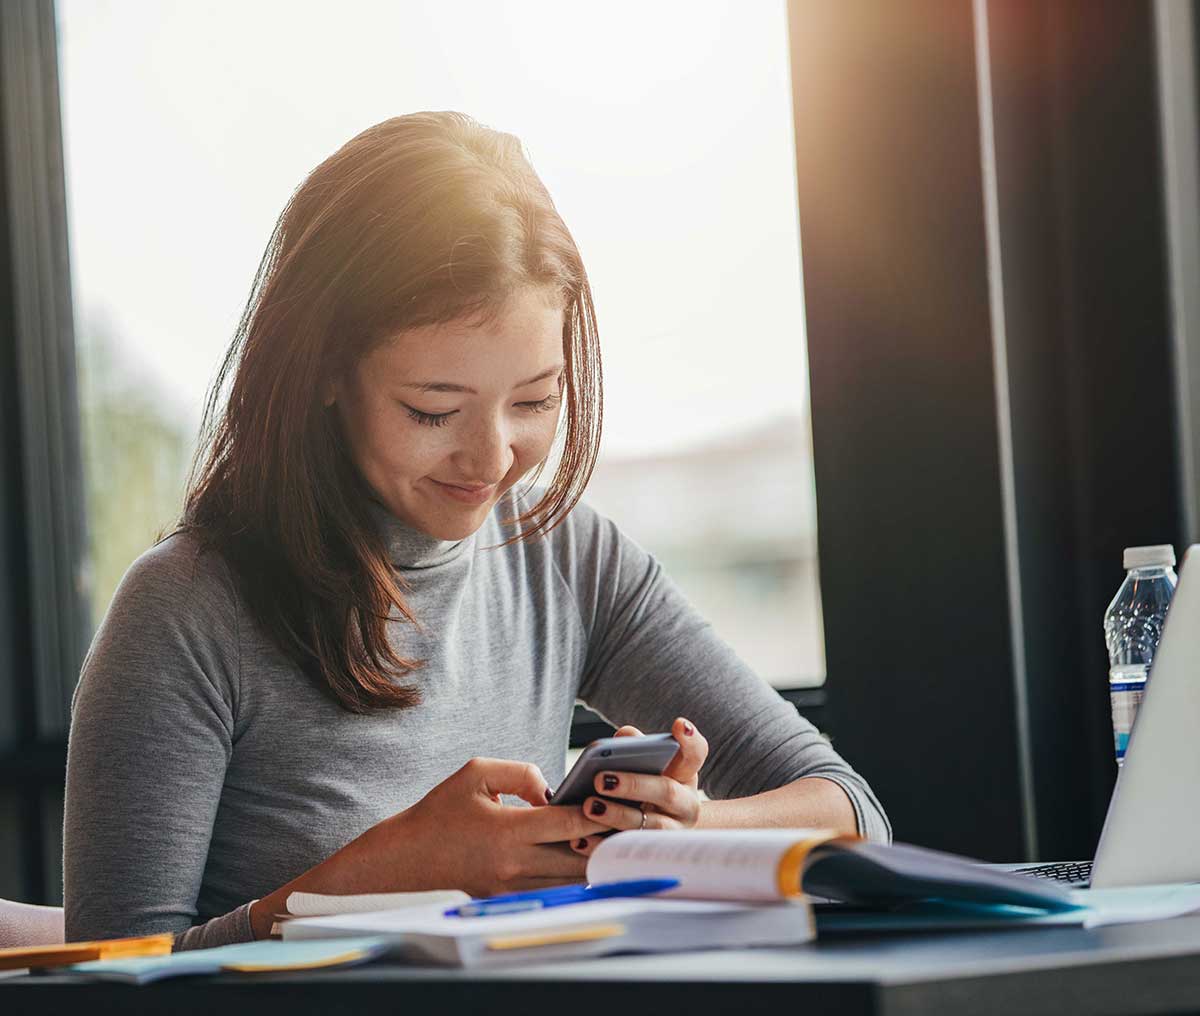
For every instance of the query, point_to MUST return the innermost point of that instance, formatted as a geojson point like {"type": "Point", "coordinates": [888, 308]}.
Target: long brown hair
{"type": "Point", "coordinates": [421, 219]}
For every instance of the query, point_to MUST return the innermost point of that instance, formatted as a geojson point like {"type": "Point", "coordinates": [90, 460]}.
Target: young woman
{"type": "Point", "coordinates": [352, 667]}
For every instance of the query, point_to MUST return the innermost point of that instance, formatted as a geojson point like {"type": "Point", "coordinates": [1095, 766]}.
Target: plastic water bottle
{"type": "Point", "coordinates": [1133, 624]}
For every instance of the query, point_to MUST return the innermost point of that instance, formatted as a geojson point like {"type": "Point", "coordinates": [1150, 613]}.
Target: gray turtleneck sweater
{"type": "Point", "coordinates": [205, 770]}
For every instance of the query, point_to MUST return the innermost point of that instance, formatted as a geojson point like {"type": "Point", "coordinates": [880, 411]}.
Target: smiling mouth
{"type": "Point", "coordinates": [473, 496]}
{"type": "Point", "coordinates": [473, 489]}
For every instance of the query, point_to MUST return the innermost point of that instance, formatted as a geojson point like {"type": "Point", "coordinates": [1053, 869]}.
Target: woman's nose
{"type": "Point", "coordinates": [486, 455]}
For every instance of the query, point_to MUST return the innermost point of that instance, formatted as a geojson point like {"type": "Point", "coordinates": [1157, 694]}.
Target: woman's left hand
{"type": "Point", "coordinates": [669, 801]}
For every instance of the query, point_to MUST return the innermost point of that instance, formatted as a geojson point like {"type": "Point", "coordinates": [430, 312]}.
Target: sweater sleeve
{"type": "Point", "coordinates": [151, 736]}
{"type": "Point", "coordinates": [652, 657]}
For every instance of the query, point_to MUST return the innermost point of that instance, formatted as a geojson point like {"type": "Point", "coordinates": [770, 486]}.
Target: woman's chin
{"type": "Point", "coordinates": [455, 530]}
{"type": "Point", "coordinates": [455, 521]}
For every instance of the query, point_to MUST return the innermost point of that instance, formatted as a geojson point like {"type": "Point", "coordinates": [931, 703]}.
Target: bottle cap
{"type": "Point", "coordinates": [1161, 555]}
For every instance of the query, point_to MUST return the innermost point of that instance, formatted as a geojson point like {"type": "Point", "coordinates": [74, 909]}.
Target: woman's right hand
{"type": "Point", "coordinates": [458, 836]}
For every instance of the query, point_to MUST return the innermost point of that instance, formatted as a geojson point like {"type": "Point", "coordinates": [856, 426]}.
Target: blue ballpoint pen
{"type": "Point", "coordinates": [512, 903]}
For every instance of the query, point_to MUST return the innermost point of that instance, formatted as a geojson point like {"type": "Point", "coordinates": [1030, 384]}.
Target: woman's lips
{"type": "Point", "coordinates": [465, 495]}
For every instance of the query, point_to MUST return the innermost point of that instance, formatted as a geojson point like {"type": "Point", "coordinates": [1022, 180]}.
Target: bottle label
{"type": "Point", "coordinates": [1125, 696]}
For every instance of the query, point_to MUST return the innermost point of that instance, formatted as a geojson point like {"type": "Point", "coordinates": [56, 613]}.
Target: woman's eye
{"type": "Point", "coordinates": [441, 419]}
{"type": "Point", "coordinates": [549, 402]}
{"type": "Point", "coordinates": [429, 419]}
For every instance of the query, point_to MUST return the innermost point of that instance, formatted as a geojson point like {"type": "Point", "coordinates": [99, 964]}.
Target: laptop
{"type": "Point", "coordinates": [1152, 830]}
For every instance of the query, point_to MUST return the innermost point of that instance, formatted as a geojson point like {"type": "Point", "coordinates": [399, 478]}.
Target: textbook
{"type": "Point", "coordinates": [774, 864]}
{"type": "Point", "coordinates": [572, 931]}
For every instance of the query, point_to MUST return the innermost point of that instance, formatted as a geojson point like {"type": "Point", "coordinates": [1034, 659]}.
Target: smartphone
{"type": "Point", "coordinates": [649, 754]}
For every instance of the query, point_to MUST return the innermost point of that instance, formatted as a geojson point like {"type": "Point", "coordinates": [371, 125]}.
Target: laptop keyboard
{"type": "Point", "coordinates": [1075, 873]}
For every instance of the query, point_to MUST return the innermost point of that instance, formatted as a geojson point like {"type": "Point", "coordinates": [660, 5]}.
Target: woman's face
{"type": "Point", "coordinates": [443, 419]}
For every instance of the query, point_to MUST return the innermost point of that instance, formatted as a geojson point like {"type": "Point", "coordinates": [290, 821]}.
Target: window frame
{"type": "Point", "coordinates": [44, 623]}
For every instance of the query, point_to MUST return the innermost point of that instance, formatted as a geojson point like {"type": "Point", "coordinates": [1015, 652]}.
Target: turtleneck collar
{"type": "Point", "coordinates": [409, 547]}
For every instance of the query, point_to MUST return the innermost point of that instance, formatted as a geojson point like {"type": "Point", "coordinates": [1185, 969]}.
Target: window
{"type": "Point", "coordinates": [668, 149]}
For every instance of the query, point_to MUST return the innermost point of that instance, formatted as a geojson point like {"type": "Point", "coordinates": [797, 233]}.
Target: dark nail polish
{"type": "Point", "coordinates": [549, 794]}
{"type": "Point", "coordinates": [689, 729]}
{"type": "Point", "coordinates": [610, 781]}
{"type": "Point", "coordinates": [599, 807]}
{"type": "Point", "coordinates": [582, 844]}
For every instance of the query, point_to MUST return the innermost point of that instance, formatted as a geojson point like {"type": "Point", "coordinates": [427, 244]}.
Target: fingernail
{"type": "Point", "coordinates": [582, 844]}
{"type": "Point", "coordinates": [689, 729]}
{"type": "Point", "coordinates": [549, 794]}
{"type": "Point", "coordinates": [610, 781]}
{"type": "Point", "coordinates": [599, 807]}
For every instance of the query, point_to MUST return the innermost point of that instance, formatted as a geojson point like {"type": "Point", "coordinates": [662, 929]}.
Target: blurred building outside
{"type": "Point", "coordinates": [733, 522]}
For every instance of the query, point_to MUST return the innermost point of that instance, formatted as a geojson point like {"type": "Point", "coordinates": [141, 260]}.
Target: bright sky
{"type": "Point", "coordinates": [663, 131]}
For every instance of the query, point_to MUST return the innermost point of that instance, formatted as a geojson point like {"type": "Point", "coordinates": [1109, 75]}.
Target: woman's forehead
{"type": "Point", "coordinates": [522, 339]}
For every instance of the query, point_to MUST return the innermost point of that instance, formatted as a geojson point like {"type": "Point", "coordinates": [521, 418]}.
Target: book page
{"type": "Point", "coordinates": [714, 864]}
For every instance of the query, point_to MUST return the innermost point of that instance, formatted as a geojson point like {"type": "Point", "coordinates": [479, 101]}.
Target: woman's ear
{"type": "Point", "coordinates": [330, 395]}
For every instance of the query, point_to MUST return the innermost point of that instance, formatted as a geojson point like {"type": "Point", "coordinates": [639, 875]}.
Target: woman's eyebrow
{"type": "Point", "coordinates": [446, 386]}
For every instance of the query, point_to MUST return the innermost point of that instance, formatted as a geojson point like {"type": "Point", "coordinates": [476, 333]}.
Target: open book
{"type": "Point", "coordinates": [773, 864]}
{"type": "Point", "coordinates": [737, 888]}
